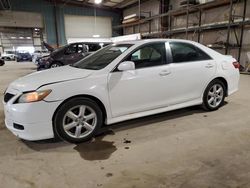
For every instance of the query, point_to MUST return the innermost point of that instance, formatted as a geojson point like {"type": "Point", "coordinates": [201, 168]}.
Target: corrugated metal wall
{"type": "Point", "coordinates": [148, 8]}
{"type": "Point", "coordinates": [48, 11]}
{"type": "Point", "coordinates": [217, 14]}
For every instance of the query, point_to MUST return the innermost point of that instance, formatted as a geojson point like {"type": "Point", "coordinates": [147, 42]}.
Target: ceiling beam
{"type": "Point", "coordinates": [125, 3]}
{"type": "Point", "coordinates": [129, 3]}
{"type": "Point", "coordinates": [83, 4]}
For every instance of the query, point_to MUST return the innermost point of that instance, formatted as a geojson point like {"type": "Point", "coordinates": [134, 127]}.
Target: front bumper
{"type": "Point", "coordinates": [43, 64]}
{"type": "Point", "coordinates": [31, 132]}
{"type": "Point", "coordinates": [35, 118]}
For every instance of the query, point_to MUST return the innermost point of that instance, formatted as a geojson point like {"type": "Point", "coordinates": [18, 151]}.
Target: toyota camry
{"type": "Point", "coordinates": [122, 81]}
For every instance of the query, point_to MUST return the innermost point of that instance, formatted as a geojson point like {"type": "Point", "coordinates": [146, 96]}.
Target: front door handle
{"type": "Point", "coordinates": [164, 73]}
{"type": "Point", "coordinates": [209, 65]}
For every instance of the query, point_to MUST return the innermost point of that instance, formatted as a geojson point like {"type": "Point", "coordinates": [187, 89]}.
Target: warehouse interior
{"type": "Point", "coordinates": [222, 25]}
{"type": "Point", "coordinates": [183, 148]}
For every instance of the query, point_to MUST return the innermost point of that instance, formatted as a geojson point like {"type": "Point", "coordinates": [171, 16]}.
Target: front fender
{"type": "Point", "coordinates": [87, 86]}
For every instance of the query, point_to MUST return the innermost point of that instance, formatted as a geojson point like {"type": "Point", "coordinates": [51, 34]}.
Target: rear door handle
{"type": "Point", "coordinates": [209, 65]}
{"type": "Point", "coordinates": [164, 73]}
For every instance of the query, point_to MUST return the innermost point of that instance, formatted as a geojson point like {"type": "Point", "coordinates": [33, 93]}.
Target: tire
{"type": "Point", "coordinates": [55, 64]}
{"type": "Point", "coordinates": [73, 126]}
{"type": "Point", "coordinates": [214, 95]}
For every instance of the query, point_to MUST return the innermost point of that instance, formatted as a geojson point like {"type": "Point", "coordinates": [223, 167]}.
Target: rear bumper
{"type": "Point", "coordinates": [233, 82]}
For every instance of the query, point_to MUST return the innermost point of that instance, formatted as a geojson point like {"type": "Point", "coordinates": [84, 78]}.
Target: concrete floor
{"type": "Point", "coordinates": [184, 148]}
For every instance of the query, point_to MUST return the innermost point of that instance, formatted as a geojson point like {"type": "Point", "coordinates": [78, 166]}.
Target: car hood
{"type": "Point", "coordinates": [35, 80]}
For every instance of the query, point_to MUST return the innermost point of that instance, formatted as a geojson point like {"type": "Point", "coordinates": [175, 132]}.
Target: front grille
{"type": "Point", "coordinates": [7, 97]}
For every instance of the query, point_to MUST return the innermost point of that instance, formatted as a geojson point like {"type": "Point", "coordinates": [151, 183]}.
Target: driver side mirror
{"type": "Point", "coordinates": [126, 65]}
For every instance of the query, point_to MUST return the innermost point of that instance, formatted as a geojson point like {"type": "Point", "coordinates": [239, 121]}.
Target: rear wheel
{"type": "Point", "coordinates": [78, 120]}
{"type": "Point", "coordinates": [214, 95]}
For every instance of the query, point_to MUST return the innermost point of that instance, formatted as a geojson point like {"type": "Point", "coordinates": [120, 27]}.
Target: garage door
{"type": "Point", "coordinates": [13, 38]}
{"type": "Point", "coordinates": [87, 26]}
{"type": "Point", "coordinates": [20, 29]}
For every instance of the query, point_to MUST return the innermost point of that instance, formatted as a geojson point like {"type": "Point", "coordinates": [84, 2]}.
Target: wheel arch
{"type": "Point", "coordinates": [224, 81]}
{"type": "Point", "coordinates": [95, 99]}
{"type": "Point", "coordinates": [55, 62]}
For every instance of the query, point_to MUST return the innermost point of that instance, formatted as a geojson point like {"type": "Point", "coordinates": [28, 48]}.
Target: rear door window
{"type": "Point", "coordinates": [184, 52]}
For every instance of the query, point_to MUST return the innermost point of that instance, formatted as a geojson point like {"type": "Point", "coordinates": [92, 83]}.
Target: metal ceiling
{"type": "Point", "coordinates": [110, 4]}
{"type": "Point", "coordinates": [116, 3]}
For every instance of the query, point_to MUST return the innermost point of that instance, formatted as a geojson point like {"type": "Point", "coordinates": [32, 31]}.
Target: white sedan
{"type": "Point", "coordinates": [122, 81]}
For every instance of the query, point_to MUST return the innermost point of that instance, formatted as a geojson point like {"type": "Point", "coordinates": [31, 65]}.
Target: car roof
{"type": "Point", "coordinates": [90, 43]}
{"type": "Point", "coordinates": [144, 41]}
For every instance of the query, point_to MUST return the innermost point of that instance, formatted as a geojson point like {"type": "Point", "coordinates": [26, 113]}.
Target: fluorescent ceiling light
{"type": "Point", "coordinates": [130, 16]}
{"type": "Point", "coordinates": [98, 1]}
{"type": "Point", "coordinates": [13, 37]}
{"type": "Point", "coordinates": [96, 36]}
{"type": "Point", "coordinates": [21, 37]}
{"type": "Point", "coordinates": [28, 37]}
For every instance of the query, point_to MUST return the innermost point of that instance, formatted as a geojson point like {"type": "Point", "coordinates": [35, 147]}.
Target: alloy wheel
{"type": "Point", "coordinates": [79, 121]}
{"type": "Point", "coordinates": [215, 95]}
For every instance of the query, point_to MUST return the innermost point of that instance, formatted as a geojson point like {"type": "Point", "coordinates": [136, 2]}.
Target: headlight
{"type": "Point", "coordinates": [34, 96]}
{"type": "Point", "coordinates": [43, 59]}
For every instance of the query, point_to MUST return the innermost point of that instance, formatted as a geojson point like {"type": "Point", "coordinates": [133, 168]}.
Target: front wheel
{"type": "Point", "coordinates": [214, 95]}
{"type": "Point", "coordinates": [55, 64]}
{"type": "Point", "coordinates": [78, 120]}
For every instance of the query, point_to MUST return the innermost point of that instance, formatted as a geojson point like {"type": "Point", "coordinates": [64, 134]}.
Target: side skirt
{"type": "Point", "coordinates": [154, 111]}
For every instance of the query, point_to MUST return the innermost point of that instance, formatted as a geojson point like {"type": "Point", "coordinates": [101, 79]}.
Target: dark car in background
{"type": "Point", "coordinates": [23, 56]}
{"type": "Point", "coordinates": [68, 54]}
{"type": "Point", "coordinates": [2, 62]}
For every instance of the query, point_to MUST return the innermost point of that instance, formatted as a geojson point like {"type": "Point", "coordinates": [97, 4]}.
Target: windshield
{"type": "Point", "coordinates": [102, 58]}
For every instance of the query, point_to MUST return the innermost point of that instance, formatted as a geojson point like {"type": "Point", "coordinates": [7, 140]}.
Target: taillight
{"type": "Point", "coordinates": [236, 65]}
